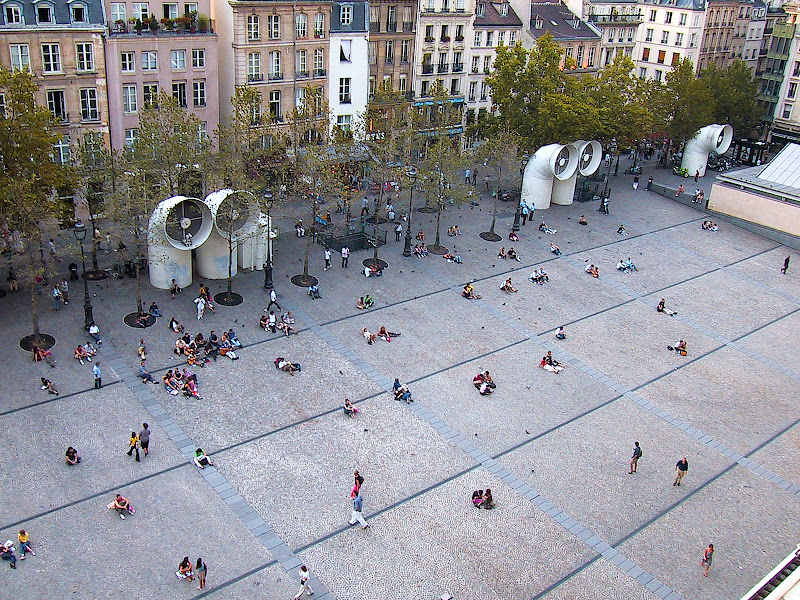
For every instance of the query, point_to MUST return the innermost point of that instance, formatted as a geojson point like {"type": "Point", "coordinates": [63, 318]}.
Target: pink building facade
{"type": "Point", "coordinates": [177, 54]}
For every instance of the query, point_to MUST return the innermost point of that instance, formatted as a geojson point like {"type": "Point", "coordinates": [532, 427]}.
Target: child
{"type": "Point", "coordinates": [24, 544]}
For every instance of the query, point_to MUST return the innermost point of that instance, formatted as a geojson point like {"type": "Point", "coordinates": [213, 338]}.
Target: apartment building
{"type": "Point", "coordinates": [773, 59]}
{"type": "Point", "coordinates": [392, 31]}
{"type": "Point", "coordinates": [618, 22]}
{"type": "Point", "coordinates": [496, 24]}
{"type": "Point", "coordinates": [166, 46]}
{"type": "Point", "coordinates": [580, 40]}
{"type": "Point", "coordinates": [61, 43]}
{"type": "Point", "coordinates": [672, 30]}
{"type": "Point", "coordinates": [726, 28]}
{"type": "Point", "coordinates": [751, 46]}
{"type": "Point", "coordinates": [348, 79]}
{"type": "Point", "coordinates": [786, 125]}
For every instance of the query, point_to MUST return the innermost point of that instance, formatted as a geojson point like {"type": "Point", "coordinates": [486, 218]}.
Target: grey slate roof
{"type": "Point", "coordinates": [560, 22]}
{"type": "Point", "coordinates": [60, 10]}
{"type": "Point", "coordinates": [684, 4]}
{"type": "Point", "coordinates": [359, 23]}
{"type": "Point", "coordinates": [492, 18]}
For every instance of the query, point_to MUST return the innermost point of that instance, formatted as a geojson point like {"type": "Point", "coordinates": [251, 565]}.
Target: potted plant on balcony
{"type": "Point", "coordinates": [193, 21]}
{"type": "Point", "coordinates": [119, 26]}
{"type": "Point", "coordinates": [203, 23]}
{"type": "Point", "coordinates": [183, 23]}
{"type": "Point", "coordinates": [153, 24]}
{"type": "Point", "coordinates": [138, 26]}
{"type": "Point", "coordinates": [446, 38]}
{"type": "Point", "coordinates": [168, 24]}
{"type": "Point", "coordinates": [429, 39]}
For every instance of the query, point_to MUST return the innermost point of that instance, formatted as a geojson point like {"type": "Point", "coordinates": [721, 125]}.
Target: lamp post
{"type": "Point", "coordinates": [407, 248]}
{"type": "Point", "coordinates": [268, 266]}
{"type": "Point", "coordinates": [80, 234]}
{"type": "Point", "coordinates": [518, 212]}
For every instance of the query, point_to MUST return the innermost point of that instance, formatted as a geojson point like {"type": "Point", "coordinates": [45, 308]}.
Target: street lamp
{"type": "Point", "coordinates": [518, 212]}
{"type": "Point", "coordinates": [268, 266]}
{"type": "Point", "coordinates": [407, 248]}
{"type": "Point", "coordinates": [80, 234]}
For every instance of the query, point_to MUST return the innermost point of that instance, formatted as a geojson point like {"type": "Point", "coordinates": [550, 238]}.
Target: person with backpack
{"type": "Point", "coordinates": [637, 454]}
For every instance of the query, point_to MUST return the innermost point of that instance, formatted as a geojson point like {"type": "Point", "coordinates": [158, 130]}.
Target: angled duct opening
{"type": "Point", "coordinates": [549, 163]}
{"type": "Point", "coordinates": [589, 156]}
{"type": "Point", "coordinates": [712, 138]}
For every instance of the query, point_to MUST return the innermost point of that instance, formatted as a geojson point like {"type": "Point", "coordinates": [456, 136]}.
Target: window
{"type": "Point", "coordinates": [487, 63]}
{"type": "Point", "coordinates": [792, 90]}
{"type": "Point", "coordinates": [579, 57]}
{"type": "Point", "coordinates": [178, 59]}
{"type": "Point", "coordinates": [255, 116]}
{"type": "Point", "coordinates": [170, 10]}
{"type": "Point", "coordinates": [481, 9]}
{"type": "Point", "coordinates": [344, 90]}
{"type": "Point", "coordinates": [682, 19]}
{"type": "Point", "coordinates": [78, 12]}
{"type": "Point", "coordinates": [20, 57]}
{"type": "Point", "coordinates": [646, 54]}
{"type": "Point", "coordinates": [319, 25]}
{"type": "Point", "coordinates": [253, 28]}
{"type": "Point", "coordinates": [662, 55]}
{"type": "Point", "coordinates": [648, 35]}
{"type": "Point", "coordinates": [118, 12]}
{"type": "Point", "coordinates": [696, 21]}
{"type": "Point", "coordinates": [642, 72]}
{"type": "Point", "coordinates": [569, 51]}
{"type": "Point", "coordinates": [131, 135]}
{"type": "Point", "coordinates": [512, 38]}
{"type": "Point", "coordinates": [484, 91]}
{"type": "Point", "coordinates": [89, 110]}
{"type": "Point", "coordinates": [343, 122]}
{"type": "Point", "coordinates": [423, 90]}
{"type": "Point", "coordinates": [652, 16]}
{"type": "Point", "coordinates": [275, 65]}
{"type": "Point", "coordinates": [478, 38]}
{"type": "Point", "coordinates": [44, 13]}
{"type": "Point", "coordinates": [51, 58]}
{"type": "Point", "coordinates": [405, 47]}
{"type": "Point", "coordinates": [345, 50]}
{"type": "Point", "coordinates": [141, 10]}
{"type": "Point", "coordinates": [665, 37]}
{"type": "Point", "coordinates": [389, 52]}
{"type": "Point", "coordinates": [679, 39]}
{"type": "Point", "coordinates": [501, 38]}
{"type": "Point", "coordinates": [459, 33]}
{"type": "Point", "coordinates": [299, 97]}
{"type": "Point", "coordinates": [179, 92]}
{"type": "Point", "coordinates": [658, 75]}
{"type": "Point", "coordinates": [676, 58]}
{"type": "Point", "coordinates": [473, 86]}
{"type": "Point", "coordinates": [128, 62]}
{"type": "Point", "coordinates": [787, 111]}
{"type": "Point", "coordinates": [590, 61]}
{"type": "Point", "coordinates": [199, 92]}
{"type": "Point", "coordinates": [319, 62]}
{"type": "Point", "coordinates": [150, 94]}
{"type": "Point", "coordinates": [372, 50]}
{"type": "Point", "coordinates": [149, 60]}
{"type": "Point", "coordinates": [129, 102]}
{"type": "Point", "coordinates": [301, 25]}
{"type": "Point", "coordinates": [198, 58]}
{"type": "Point", "coordinates": [301, 63]}
{"type": "Point", "coordinates": [14, 14]}
{"type": "Point", "coordinates": [189, 8]}
{"type": "Point", "coordinates": [56, 105]}
{"type": "Point", "coordinates": [668, 17]}
{"type": "Point", "coordinates": [454, 88]}
{"type": "Point", "coordinates": [458, 62]}
{"type": "Point", "coordinates": [796, 71]}
{"type": "Point", "coordinates": [254, 66]}
{"type": "Point", "coordinates": [475, 63]}
{"type": "Point", "coordinates": [85, 56]}
{"type": "Point", "coordinates": [274, 27]}
{"type": "Point", "coordinates": [371, 87]}
{"type": "Point", "coordinates": [445, 37]}
{"type": "Point", "coordinates": [275, 104]}
{"type": "Point", "coordinates": [489, 38]}
{"type": "Point", "coordinates": [391, 18]}
{"type": "Point", "coordinates": [61, 151]}
{"type": "Point", "coordinates": [429, 5]}
{"type": "Point", "coordinates": [346, 15]}
{"type": "Point", "coordinates": [402, 84]}
{"type": "Point", "coordinates": [693, 40]}
{"type": "Point", "coordinates": [202, 131]}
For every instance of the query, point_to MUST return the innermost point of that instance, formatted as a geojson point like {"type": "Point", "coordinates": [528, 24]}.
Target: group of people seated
{"type": "Point", "coordinates": [662, 308]}
{"type": "Point", "coordinates": [483, 499]}
{"type": "Point", "coordinates": [593, 271]}
{"type": "Point", "coordinates": [365, 302]}
{"type": "Point", "coordinates": [699, 196]}
{"type": "Point", "coordinates": [40, 354]}
{"type": "Point", "coordinates": [512, 254]}
{"type": "Point", "coordinates": [680, 348]}
{"type": "Point", "coordinates": [453, 258]}
{"type": "Point", "coordinates": [348, 408]}
{"type": "Point", "coordinates": [178, 381]}
{"type": "Point", "coordinates": [622, 230]}
{"type": "Point", "coordinates": [401, 392]}
{"type": "Point", "coordinates": [199, 350]}
{"type": "Point", "coordinates": [469, 292]}
{"type": "Point", "coordinates": [539, 276]}
{"type": "Point", "coordinates": [285, 325]}
{"type": "Point", "coordinates": [453, 231]}
{"type": "Point", "coordinates": [284, 365]}
{"type": "Point", "coordinates": [551, 364]}
{"type": "Point", "coordinates": [507, 287]}
{"type": "Point", "coordinates": [582, 221]}
{"type": "Point", "coordinates": [85, 352]}
{"type": "Point", "coordinates": [420, 250]}
{"type": "Point", "coordinates": [484, 383]}
{"type": "Point", "coordinates": [626, 266]}
{"type": "Point", "coordinates": [546, 229]}
{"type": "Point", "coordinates": [421, 236]}
{"type": "Point", "coordinates": [373, 270]}
{"type": "Point", "coordinates": [383, 334]}
{"type": "Point", "coordinates": [513, 236]}
{"type": "Point", "coordinates": [313, 291]}
{"type": "Point", "coordinates": [710, 226]}
{"type": "Point", "coordinates": [555, 249]}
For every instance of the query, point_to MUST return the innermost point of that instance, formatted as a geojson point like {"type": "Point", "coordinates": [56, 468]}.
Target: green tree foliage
{"type": "Point", "coordinates": [500, 155]}
{"type": "Point", "coordinates": [684, 104]}
{"type": "Point", "coordinates": [735, 95]}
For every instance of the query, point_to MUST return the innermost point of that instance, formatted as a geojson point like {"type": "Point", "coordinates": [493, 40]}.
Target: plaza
{"type": "Point", "coordinates": [570, 522]}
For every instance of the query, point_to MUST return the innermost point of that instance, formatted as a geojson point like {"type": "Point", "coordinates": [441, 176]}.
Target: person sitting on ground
{"type": "Point", "coordinates": [401, 392]}
{"type": "Point", "coordinates": [582, 221]}
{"type": "Point", "coordinates": [487, 379]}
{"type": "Point", "coordinates": [418, 251]}
{"type": "Point", "coordinates": [90, 350]}
{"type": "Point", "coordinates": [561, 334]}
{"type": "Point", "coordinates": [71, 456]}
{"type": "Point", "coordinates": [513, 237]}
{"type": "Point", "coordinates": [621, 266]}
{"type": "Point", "coordinates": [680, 348]}
{"type": "Point", "coordinates": [370, 337]}
{"type": "Point", "coordinates": [235, 343]}
{"type": "Point", "coordinates": [423, 250]}
{"type": "Point", "coordinates": [180, 346]}
{"type": "Point", "coordinates": [546, 229]}
{"type": "Point", "coordinates": [190, 389]}
{"type": "Point", "coordinates": [263, 322]}
{"type": "Point", "coordinates": [368, 301]}
{"type": "Point", "coordinates": [175, 326]}
{"type": "Point", "coordinates": [502, 254]}
{"type": "Point", "coordinates": [451, 231]}
{"type": "Point", "coordinates": [591, 270]}
{"type": "Point", "coordinates": [145, 374]}
{"type": "Point", "coordinates": [551, 364]}
{"type": "Point", "coordinates": [94, 331]}
{"type": "Point", "coordinates": [285, 328]}
{"type": "Point", "coordinates": [7, 553]}
{"type": "Point", "coordinates": [453, 258]}
{"type": "Point", "coordinates": [456, 229]}
{"type": "Point", "coordinates": [121, 505]}
{"type": "Point", "coordinates": [555, 249]}
{"type": "Point", "coordinates": [199, 340]}
{"type": "Point", "coordinates": [469, 292]}
{"type": "Point", "coordinates": [373, 271]}
{"type": "Point", "coordinates": [288, 317]}
{"type": "Point", "coordinates": [81, 354]}
{"type": "Point", "coordinates": [488, 501]}
{"type": "Point", "coordinates": [507, 287]}
{"type": "Point", "coordinates": [299, 228]}
{"type": "Point", "coordinates": [387, 335]}
{"type": "Point", "coordinates": [170, 384]}
{"type": "Point", "coordinates": [185, 569]}
{"type": "Point", "coordinates": [40, 354]}
{"type": "Point", "coordinates": [621, 230]}
{"type": "Point", "coordinates": [313, 291]}
{"type": "Point", "coordinates": [512, 254]}
{"type": "Point", "coordinates": [421, 236]}
{"type": "Point", "coordinates": [361, 305]}
{"type": "Point", "coordinates": [154, 310]}
{"type": "Point", "coordinates": [212, 346]}
{"type": "Point", "coordinates": [284, 365]}
{"type": "Point", "coordinates": [201, 459]}
{"type": "Point", "coordinates": [349, 409]}
{"type": "Point", "coordinates": [226, 347]}
{"type": "Point", "coordinates": [48, 385]}
{"type": "Point", "coordinates": [629, 264]}
{"type": "Point", "coordinates": [477, 498]}
{"type": "Point", "coordinates": [662, 308]}
{"type": "Point", "coordinates": [142, 320]}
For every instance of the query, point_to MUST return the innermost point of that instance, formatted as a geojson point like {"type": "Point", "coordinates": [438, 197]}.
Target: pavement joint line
{"type": "Point", "coordinates": [56, 398]}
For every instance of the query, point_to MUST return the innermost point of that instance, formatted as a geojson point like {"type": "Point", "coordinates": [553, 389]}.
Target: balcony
{"type": "Point", "coordinates": [374, 27]}
{"type": "Point", "coordinates": [616, 19]}
{"type": "Point", "coordinates": [166, 27]}
{"type": "Point", "coordinates": [472, 98]}
{"type": "Point", "coordinates": [276, 76]}
{"type": "Point", "coordinates": [443, 68]}
{"type": "Point", "coordinates": [391, 27]}
{"type": "Point", "coordinates": [445, 39]}
{"type": "Point", "coordinates": [344, 99]}
{"type": "Point", "coordinates": [389, 60]}
{"type": "Point", "coordinates": [459, 38]}
{"type": "Point", "coordinates": [320, 72]}
{"type": "Point", "coordinates": [255, 78]}
{"type": "Point", "coordinates": [302, 74]}
{"type": "Point", "coordinates": [427, 69]}
{"type": "Point", "coordinates": [275, 119]}
{"type": "Point", "coordinates": [429, 39]}
{"type": "Point", "coordinates": [458, 67]}
{"type": "Point", "coordinates": [408, 27]}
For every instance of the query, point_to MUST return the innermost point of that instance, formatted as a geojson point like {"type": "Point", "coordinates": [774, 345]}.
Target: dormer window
{"type": "Point", "coordinates": [78, 12]}
{"type": "Point", "coordinates": [576, 23]}
{"type": "Point", "coordinates": [481, 9]}
{"type": "Point", "coordinates": [538, 23]}
{"type": "Point", "coordinates": [504, 9]}
{"type": "Point", "coordinates": [44, 13]}
{"type": "Point", "coordinates": [14, 15]}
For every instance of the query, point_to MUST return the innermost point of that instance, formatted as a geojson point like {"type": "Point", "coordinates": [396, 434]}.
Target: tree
{"type": "Point", "coordinates": [735, 96]}
{"type": "Point", "coordinates": [499, 153]}
{"type": "Point", "coordinates": [28, 175]}
{"type": "Point", "coordinates": [684, 104]}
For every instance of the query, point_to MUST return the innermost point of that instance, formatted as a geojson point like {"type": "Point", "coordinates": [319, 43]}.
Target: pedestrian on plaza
{"type": "Point", "coordinates": [785, 265]}
{"type": "Point", "coordinates": [24, 544]}
{"type": "Point", "coordinates": [398, 232]}
{"type": "Point", "coordinates": [327, 258]}
{"type": "Point", "coordinates": [273, 299]}
{"type": "Point", "coordinates": [345, 256]}
{"type": "Point", "coordinates": [98, 376]}
{"type": "Point", "coordinates": [305, 586]}
{"type": "Point", "coordinates": [358, 481]}
{"type": "Point", "coordinates": [364, 206]}
{"type": "Point", "coordinates": [486, 181]}
{"type": "Point", "coordinates": [7, 553]}
{"type": "Point", "coordinates": [680, 470]}
{"type": "Point", "coordinates": [144, 438]}
{"type": "Point", "coordinates": [145, 374]}
{"type": "Point", "coordinates": [708, 556]}
{"type": "Point", "coordinates": [185, 569]}
{"type": "Point", "coordinates": [524, 211]}
{"type": "Point", "coordinates": [13, 286]}
{"type": "Point", "coordinates": [637, 454]}
{"type": "Point", "coordinates": [52, 245]}
{"type": "Point", "coordinates": [134, 445]}
{"type": "Point", "coordinates": [357, 507]}
{"type": "Point", "coordinates": [636, 182]}
{"type": "Point", "coordinates": [108, 242]}
{"type": "Point", "coordinates": [467, 176]}
{"type": "Point", "coordinates": [201, 570]}
{"type": "Point", "coordinates": [64, 287]}
{"type": "Point", "coordinates": [57, 297]}
{"type": "Point", "coordinates": [201, 306]}
{"type": "Point", "coordinates": [474, 176]}
{"type": "Point", "coordinates": [696, 175]}
{"type": "Point", "coordinates": [649, 185]}
{"type": "Point", "coordinates": [174, 289]}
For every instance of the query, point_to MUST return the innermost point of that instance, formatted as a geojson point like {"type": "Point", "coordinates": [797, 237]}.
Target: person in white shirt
{"type": "Point", "coordinates": [94, 331]}
{"type": "Point", "coordinates": [327, 259]}
{"type": "Point", "coordinates": [273, 299]}
{"type": "Point", "coordinates": [345, 256]}
{"type": "Point", "coordinates": [305, 586]}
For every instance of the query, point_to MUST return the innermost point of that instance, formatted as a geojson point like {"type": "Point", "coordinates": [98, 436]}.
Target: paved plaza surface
{"type": "Point", "coordinates": [570, 522]}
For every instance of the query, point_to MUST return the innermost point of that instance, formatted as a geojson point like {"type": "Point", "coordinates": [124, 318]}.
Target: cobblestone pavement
{"type": "Point", "coordinates": [570, 522]}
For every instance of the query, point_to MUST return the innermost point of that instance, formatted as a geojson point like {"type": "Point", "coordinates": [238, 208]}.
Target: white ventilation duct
{"type": "Point", "coordinates": [590, 155]}
{"type": "Point", "coordinates": [235, 215]}
{"type": "Point", "coordinates": [253, 250]}
{"type": "Point", "coordinates": [555, 161]}
{"type": "Point", "coordinates": [712, 138]}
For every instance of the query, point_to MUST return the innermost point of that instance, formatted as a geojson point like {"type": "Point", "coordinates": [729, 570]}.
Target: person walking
{"type": "Point", "coordinates": [649, 185]}
{"type": "Point", "coordinates": [637, 454]}
{"type": "Point", "coordinates": [201, 306]}
{"type": "Point", "coordinates": [57, 297]}
{"type": "Point", "coordinates": [98, 376]}
{"type": "Point", "coordinates": [636, 182]}
{"type": "Point", "coordinates": [327, 259]}
{"type": "Point", "coordinates": [358, 504]}
{"type": "Point", "coordinates": [364, 206]}
{"type": "Point", "coordinates": [467, 176]}
{"type": "Point", "coordinates": [305, 586]}
{"type": "Point", "coordinates": [524, 211]}
{"type": "Point", "coordinates": [273, 299]}
{"type": "Point", "coordinates": [64, 287]}
{"type": "Point", "coordinates": [134, 445]}
{"type": "Point", "coordinates": [144, 438]}
{"type": "Point", "coordinates": [398, 232]}
{"type": "Point", "coordinates": [474, 176]}
{"type": "Point", "coordinates": [708, 556]}
{"type": "Point", "coordinates": [785, 265]}
{"type": "Point", "coordinates": [680, 470]}
{"type": "Point", "coordinates": [345, 256]}
{"type": "Point", "coordinates": [201, 570]}
{"type": "Point", "coordinates": [696, 175]}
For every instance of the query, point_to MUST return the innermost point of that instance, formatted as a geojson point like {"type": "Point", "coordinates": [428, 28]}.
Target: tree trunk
{"type": "Point", "coordinates": [230, 268]}
{"type": "Point", "coordinates": [377, 215]}
{"type": "Point", "coordinates": [494, 215]}
{"type": "Point", "coordinates": [308, 238]}
{"type": "Point", "coordinates": [34, 305]}
{"type": "Point", "coordinates": [137, 270]}
{"type": "Point", "coordinates": [438, 219]}
{"type": "Point", "coordinates": [95, 267]}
